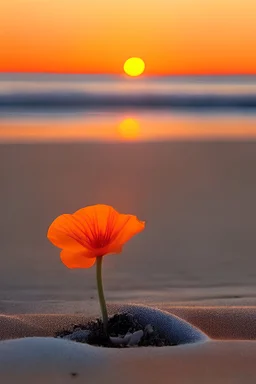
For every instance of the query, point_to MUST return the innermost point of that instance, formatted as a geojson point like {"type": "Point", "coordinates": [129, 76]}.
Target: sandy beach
{"type": "Point", "coordinates": [195, 260]}
{"type": "Point", "coordinates": [228, 358]}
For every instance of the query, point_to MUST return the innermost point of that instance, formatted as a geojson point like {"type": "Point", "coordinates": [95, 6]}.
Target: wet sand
{"type": "Point", "coordinates": [198, 200]}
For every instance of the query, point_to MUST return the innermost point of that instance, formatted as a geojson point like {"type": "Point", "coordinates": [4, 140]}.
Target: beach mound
{"type": "Point", "coordinates": [172, 328]}
{"type": "Point", "coordinates": [27, 359]}
{"type": "Point", "coordinates": [52, 361]}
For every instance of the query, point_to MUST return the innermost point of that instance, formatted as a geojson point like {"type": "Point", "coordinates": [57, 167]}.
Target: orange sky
{"type": "Point", "coordinates": [97, 36]}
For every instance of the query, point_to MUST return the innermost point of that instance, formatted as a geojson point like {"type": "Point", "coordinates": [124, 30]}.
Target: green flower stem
{"type": "Point", "coordinates": [103, 306]}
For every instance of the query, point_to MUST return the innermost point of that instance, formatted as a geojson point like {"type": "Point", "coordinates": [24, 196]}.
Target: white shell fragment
{"type": "Point", "coordinates": [135, 338]}
{"type": "Point", "coordinates": [130, 339]}
{"type": "Point", "coordinates": [118, 340]}
{"type": "Point", "coordinates": [127, 337]}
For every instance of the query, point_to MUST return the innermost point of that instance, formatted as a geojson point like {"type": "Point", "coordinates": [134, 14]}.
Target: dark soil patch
{"type": "Point", "coordinates": [118, 326]}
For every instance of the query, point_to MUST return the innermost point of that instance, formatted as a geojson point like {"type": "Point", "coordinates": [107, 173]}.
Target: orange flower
{"type": "Point", "coordinates": [91, 232]}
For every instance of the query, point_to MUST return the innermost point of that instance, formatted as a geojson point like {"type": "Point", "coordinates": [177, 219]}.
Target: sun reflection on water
{"type": "Point", "coordinates": [120, 128]}
{"type": "Point", "coordinates": [129, 129]}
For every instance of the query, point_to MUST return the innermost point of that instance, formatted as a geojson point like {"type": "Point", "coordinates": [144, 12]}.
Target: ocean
{"type": "Point", "coordinates": [179, 152]}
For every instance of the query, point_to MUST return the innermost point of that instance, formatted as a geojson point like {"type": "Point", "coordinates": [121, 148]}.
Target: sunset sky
{"type": "Point", "coordinates": [85, 36]}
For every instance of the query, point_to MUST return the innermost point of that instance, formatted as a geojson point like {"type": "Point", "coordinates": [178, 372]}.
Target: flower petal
{"type": "Point", "coordinates": [97, 217]}
{"type": "Point", "coordinates": [104, 222]}
{"type": "Point", "coordinates": [97, 229]}
{"type": "Point", "coordinates": [126, 227]}
{"type": "Point", "coordinates": [67, 233]}
{"type": "Point", "coordinates": [111, 249]}
{"type": "Point", "coordinates": [99, 224]}
{"type": "Point", "coordinates": [77, 260]}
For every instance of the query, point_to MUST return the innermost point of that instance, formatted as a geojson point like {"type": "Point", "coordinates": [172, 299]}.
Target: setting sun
{"type": "Point", "coordinates": [134, 66]}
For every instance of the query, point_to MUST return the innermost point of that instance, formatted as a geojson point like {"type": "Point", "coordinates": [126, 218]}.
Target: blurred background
{"type": "Point", "coordinates": [174, 146]}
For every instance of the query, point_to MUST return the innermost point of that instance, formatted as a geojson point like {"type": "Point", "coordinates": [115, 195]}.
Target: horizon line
{"type": "Point", "coordinates": [196, 74]}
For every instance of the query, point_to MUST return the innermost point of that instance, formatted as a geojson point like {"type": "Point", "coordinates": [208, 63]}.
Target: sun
{"type": "Point", "coordinates": [134, 66]}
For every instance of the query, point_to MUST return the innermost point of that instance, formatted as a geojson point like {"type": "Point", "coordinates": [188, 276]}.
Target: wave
{"type": "Point", "coordinates": [83, 100]}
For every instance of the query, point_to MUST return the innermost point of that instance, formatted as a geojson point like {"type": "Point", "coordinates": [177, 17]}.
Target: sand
{"type": "Point", "coordinates": [57, 361]}
{"type": "Point", "coordinates": [220, 323]}
{"type": "Point", "coordinates": [196, 258]}
{"type": "Point", "coordinates": [44, 359]}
